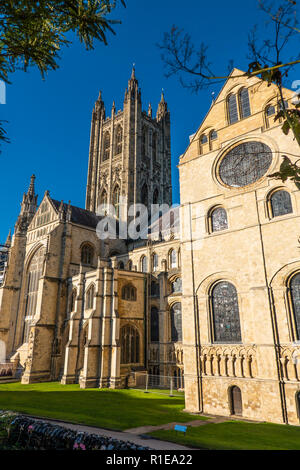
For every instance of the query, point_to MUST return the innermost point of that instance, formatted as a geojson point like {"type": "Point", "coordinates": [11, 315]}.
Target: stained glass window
{"type": "Point", "coordinates": [244, 103]}
{"type": "Point", "coordinates": [232, 109]}
{"type": "Point", "coordinates": [281, 203]}
{"type": "Point", "coordinates": [154, 324]}
{"type": "Point", "coordinates": [106, 146]}
{"type": "Point", "coordinates": [129, 292]}
{"type": "Point", "coordinates": [173, 259]}
{"type": "Point", "coordinates": [219, 219]}
{"type": "Point", "coordinates": [176, 322]}
{"type": "Point", "coordinates": [295, 293]}
{"type": "Point", "coordinates": [144, 264]}
{"type": "Point", "coordinates": [87, 253]}
{"type": "Point", "coordinates": [225, 309]}
{"type": "Point", "coordinates": [130, 345]}
{"type": "Point", "coordinates": [203, 139]}
{"type": "Point", "coordinates": [119, 139]}
{"type": "Point", "coordinates": [245, 164]}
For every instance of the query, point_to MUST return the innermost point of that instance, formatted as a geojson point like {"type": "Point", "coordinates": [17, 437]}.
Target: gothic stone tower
{"type": "Point", "coordinates": [130, 154]}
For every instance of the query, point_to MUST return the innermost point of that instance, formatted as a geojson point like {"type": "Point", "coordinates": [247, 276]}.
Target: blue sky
{"type": "Point", "coordinates": [49, 121]}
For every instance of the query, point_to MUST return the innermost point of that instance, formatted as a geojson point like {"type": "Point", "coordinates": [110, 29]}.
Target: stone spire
{"type": "Point", "coordinates": [28, 207]}
{"type": "Point", "coordinates": [113, 109]}
{"type": "Point", "coordinates": [8, 240]}
{"type": "Point", "coordinates": [133, 87]}
{"type": "Point", "coordinates": [150, 110]}
{"type": "Point", "coordinates": [162, 109]}
{"type": "Point", "coordinates": [99, 108]}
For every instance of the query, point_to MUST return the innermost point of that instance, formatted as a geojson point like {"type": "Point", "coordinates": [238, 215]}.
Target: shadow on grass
{"type": "Point", "coordinates": [113, 409]}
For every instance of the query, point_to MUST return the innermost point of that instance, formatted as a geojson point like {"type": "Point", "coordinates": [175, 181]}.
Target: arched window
{"type": "Point", "coordinates": [177, 285]}
{"type": "Point", "coordinates": [106, 146]}
{"type": "Point", "coordinates": [144, 195]}
{"type": "Point", "coordinates": [203, 139]}
{"type": "Point", "coordinates": [144, 264]}
{"type": "Point", "coordinates": [176, 322]}
{"type": "Point", "coordinates": [87, 254]}
{"type": "Point", "coordinates": [129, 292]}
{"type": "Point", "coordinates": [34, 273]}
{"type": "Point", "coordinates": [144, 143]}
{"type": "Point", "coordinates": [218, 218]}
{"type": "Point", "coordinates": [154, 289]}
{"type": "Point", "coordinates": [130, 345]}
{"type": "Point", "coordinates": [225, 313]}
{"type": "Point", "coordinates": [119, 140]}
{"type": "Point", "coordinates": [129, 265]}
{"type": "Point", "coordinates": [245, 110]}
{"type": "Point", "coordinates": [89, 302]}
{"type": "Point", "coordinates": [154, 147]}
{"type": "Point", "coordinates": [121, 265]}
{"type": "Point", "coordinates": [73, 300]}
{"type": "Point", "coordinates": [116, 200]}
{"type": "Point", "coordinates": [236, 401]}
{"type": "Point", "coordinates": [155, 262]}
{"type": "Point", "coordinates": [154, 324]}
{"type": "Point", "coordinates": [213, 135]}
{"type": "Point", "coordinates": [281, 203]}
{"type": "Point", "coordinates": [103, 203]}
{"type": "Point", "coordinates": [295, 295]}
{"type": "Point", "coordinates": [155, 196]}
{"type": "Point", "coordinates": [232, 108]}
{"type": "Point", "coordinates": [269, 112]}
{"type": "Point", "coordinates": [173, 259]}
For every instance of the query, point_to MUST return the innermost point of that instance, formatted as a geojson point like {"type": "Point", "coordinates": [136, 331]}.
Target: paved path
{"type": "Point", "coordinates": [120, 435]}
{"type": "Point", "coordinates": [197, 422]}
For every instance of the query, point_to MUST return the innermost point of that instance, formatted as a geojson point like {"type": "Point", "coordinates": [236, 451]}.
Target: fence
{"type": "Point", "coordinates": [167, 385]}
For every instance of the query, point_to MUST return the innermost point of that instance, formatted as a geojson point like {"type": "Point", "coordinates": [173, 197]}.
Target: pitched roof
{"type": "Point", "coordinates": [79, 216]}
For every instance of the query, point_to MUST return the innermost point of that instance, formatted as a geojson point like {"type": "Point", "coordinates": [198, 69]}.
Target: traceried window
{"type": "Point", "coordinates": [218, 219]}
{"type": "Point", "coordinates": [245, 164]}
{"type": "Point", "coordinates": [173, 259]}
{"type": "Point", "coordinates": [245, 110]}
{"type": "Point", "coordinates": [116, 200]}
{"type": "Point", "coordinates": [119, 140]}
{"type": "Point", "coordinates": [106, 146]}
{"type": "Point", "coordinates": [155, 196]}
{"type": "Point", "coordinates": [144, 195]}
{"type": "Point", "coordinates": [103, 202]}
{"type": "Point", "coordinates": [155, 262]}
{"type": "Point", "coordinates": [233, 115]}
{"type": "Point", "coordinates": [87, 254]}
{"type": "Point", "coordinates": [34, 273]}
{"type": "Point", "coordinates": [154, 324]}
{"type": "Point", "coordinates": [154, 146]}
{"type": "Point", "coordinates": [144, 142]}
{"type": "Point", "coordinates": [90, 297]}
{"type": "Point", "coordinates": [130, 345]}
{"type": "Point", "coordinates": [225, 313]}
{"type": "Point", "coordinates": [176, 322]}
{"type": "Point", "coordinates": [144, 264]}
{"type": "Point", "coordinates": [129, 293]}
{"type": "Point", "coordinates": [281, 203]}
{"type": "Point", "coordinates": [295, 295]}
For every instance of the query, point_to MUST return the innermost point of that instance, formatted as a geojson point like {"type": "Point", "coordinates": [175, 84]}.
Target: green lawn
{"type": "Point", "coordinates": [112, 409]}
{"type": "Point", "coordinates": [236, 435]}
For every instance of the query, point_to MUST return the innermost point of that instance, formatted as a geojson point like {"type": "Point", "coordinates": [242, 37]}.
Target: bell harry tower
{"type": "Point", "coordinates": [130, 154]}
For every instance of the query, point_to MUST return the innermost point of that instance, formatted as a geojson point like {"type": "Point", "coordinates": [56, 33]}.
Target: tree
{"type": "Point", "coordinates": [33, 32]}
{"type": "Point", "coordinates": [268, 61]}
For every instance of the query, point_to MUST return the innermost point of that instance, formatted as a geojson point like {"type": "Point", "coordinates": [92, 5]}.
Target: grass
{"type": "Point", "coordinates": [236, 435]}
{"type": "Point", "coordinates": [112, 409]}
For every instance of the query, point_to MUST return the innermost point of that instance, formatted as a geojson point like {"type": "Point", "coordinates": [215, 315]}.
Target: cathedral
{"type": "Point", "coordinates": [210, 296]}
